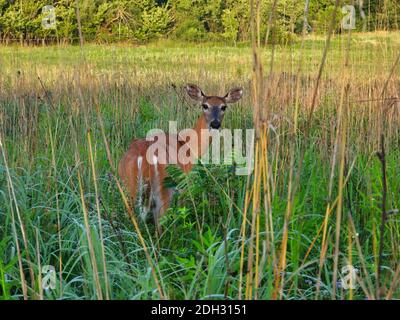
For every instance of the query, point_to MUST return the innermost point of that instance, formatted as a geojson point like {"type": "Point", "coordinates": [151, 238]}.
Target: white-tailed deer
{"type": "Point", "coordinates": [141, 167]}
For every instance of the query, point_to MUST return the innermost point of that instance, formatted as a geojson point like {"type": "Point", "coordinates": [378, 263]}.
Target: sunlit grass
{"type": "Point", "coordinates": [44, 135]}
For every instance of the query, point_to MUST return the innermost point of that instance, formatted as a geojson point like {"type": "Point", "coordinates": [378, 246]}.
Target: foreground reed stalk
{"type": "Point", "coordinates": [90, 241]}
{"type": "Point", "coordinates": [23, 232]}
{"type": "Point", "coordinates": [342, 141]}
{"type": "Point", "coordinates": [103, 255]}
{"type": "Point", "coordinates": [257, 94]}
{"type": "Point", "coordinates": [128, 207]}
{"type": "Point", "coordinates": [279, 280]}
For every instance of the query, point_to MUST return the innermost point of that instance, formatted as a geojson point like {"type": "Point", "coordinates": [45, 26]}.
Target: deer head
{"type": "Point", "coordinates": [213, 106]}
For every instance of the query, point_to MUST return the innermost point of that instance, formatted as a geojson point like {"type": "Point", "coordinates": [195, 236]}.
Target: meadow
{"type": "Point", "coordinates": [324, 193]}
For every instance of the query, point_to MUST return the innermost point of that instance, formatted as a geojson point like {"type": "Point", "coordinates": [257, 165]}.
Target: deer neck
{"type": "Point", "coordinates": [197, 140]}
{"type": "Point", "coordinates": [203, 134]}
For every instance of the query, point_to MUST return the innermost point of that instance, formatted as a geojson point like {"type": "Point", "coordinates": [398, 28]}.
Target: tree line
{"type": "Point", "coordinates": [189, 20]}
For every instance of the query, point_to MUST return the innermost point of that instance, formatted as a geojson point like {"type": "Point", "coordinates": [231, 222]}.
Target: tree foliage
{"type": "Point", "coordinates": [193, 20]}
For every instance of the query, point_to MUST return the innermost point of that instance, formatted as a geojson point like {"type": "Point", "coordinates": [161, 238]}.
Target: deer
{"type": "Point", "coordinates": [140, 167]}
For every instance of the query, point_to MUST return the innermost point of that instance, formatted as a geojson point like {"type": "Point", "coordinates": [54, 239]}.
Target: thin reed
{"type": "Point", "coordinates": [316, 203]}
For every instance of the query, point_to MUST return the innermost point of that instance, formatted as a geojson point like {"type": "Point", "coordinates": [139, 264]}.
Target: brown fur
{"type": "Point", "coordinates": [132, 171]}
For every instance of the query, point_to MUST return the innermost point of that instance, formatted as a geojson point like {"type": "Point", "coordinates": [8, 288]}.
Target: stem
{"type": "Point", "coordinates": [382, 157]}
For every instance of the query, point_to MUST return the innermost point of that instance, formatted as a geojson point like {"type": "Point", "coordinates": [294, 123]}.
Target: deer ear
{"type": "Point", "coordinates": [234, 95]}
{"type": "Point", "coordinates": [194, 92]}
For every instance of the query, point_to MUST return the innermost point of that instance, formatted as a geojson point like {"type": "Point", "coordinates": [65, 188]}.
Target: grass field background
{"type": "Point", "coordinates": [60, 204]}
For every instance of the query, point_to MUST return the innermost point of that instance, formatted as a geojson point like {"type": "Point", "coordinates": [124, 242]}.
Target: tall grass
{"type": "Point", "coordinates": [311, 206]}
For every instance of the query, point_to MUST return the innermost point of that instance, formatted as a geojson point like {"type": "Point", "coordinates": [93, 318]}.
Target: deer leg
{"type": "Point", "coordinates": [160, 194]}
{"type": "Point", "coordinates": [162, 201]}
{"type": "Point", "coordinates": [134, 174]}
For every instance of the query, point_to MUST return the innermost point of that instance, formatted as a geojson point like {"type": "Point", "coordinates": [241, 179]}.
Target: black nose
{"type": "Point", "coordinates": [215, 124]}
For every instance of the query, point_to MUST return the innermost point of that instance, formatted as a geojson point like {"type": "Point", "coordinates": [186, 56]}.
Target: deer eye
{"type": "Point", "coordinates": [223, 108]}
{"type": "Point", "coordinates": [205, 107]}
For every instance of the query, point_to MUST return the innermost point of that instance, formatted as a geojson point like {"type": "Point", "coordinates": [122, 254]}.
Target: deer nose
{"type": "Point", "coordinates": [215, 124]}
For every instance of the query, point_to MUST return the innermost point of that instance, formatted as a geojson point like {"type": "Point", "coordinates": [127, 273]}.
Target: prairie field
{"type": "Point", "coordinates": [322, 200]}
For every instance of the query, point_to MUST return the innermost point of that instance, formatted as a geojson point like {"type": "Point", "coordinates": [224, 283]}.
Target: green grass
{"type": "Point", "coordinates": [198, 257]}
